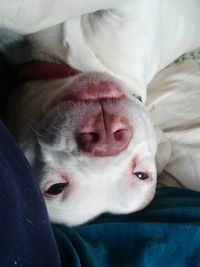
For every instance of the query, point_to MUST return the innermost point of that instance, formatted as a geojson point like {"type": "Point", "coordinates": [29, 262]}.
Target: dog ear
{"type": "Point", "coordinates": [163, 150]}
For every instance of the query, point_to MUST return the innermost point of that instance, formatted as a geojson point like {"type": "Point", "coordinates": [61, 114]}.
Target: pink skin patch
{"type": "Point", "coordinates": [104, 135]}
{"type": "Point", "coordinates": [87, 88]}
{"type": "Point", "coordinates": [97, 91]}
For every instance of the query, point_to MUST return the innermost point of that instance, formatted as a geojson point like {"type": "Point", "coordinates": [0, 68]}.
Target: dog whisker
{"type": "Point", "coordinates": [35, 131]}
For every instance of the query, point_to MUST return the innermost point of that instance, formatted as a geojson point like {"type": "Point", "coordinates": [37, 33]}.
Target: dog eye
{"type": "Point", "coordinates": [141, 175]}
{"type": "Point", "coordinates": [56, 189]}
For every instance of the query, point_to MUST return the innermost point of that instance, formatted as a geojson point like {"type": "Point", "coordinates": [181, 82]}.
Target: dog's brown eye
{"type": "Point", "coordinates": [141, 175]}
{"type": "Point", "coordinates": [56, 189]}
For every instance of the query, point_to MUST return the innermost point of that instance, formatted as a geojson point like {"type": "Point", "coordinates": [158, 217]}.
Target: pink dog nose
{"type": "Point", "coordinates": [104, 135]}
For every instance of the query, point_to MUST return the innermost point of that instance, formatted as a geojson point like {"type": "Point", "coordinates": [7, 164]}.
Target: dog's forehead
{"type": "Point", "coordinates": [94, 190]}
{"type": "Point", "coordinates": [92, 199]}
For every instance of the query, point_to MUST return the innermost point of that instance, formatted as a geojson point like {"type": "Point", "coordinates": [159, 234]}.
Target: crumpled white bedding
{"type": "Point", "coordinates": [174, 103]}
{"type": "Point", "coordinates": [34, 15]}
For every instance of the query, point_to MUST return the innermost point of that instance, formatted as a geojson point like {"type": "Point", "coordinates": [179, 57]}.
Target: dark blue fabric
{"type": "Point", "coordinates": [26, 237]}
{"type": "Point", "coordinates": [167, 233]}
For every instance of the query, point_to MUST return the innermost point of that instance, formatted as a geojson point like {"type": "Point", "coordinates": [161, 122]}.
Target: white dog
{"type": "Point", "coordinates": [80, 115]}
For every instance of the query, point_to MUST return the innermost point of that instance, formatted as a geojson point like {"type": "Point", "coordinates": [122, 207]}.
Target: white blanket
{"type": "Point", "coordinates": [174, 103]}
{"type": "Point", "coordinates": [34, 15]}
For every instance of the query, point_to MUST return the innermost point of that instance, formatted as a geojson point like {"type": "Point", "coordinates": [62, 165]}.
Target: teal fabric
{"type": "Point", "coordinates": [167, 233]}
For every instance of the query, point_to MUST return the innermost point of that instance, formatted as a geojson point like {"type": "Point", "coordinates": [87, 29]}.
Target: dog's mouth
{"type": "Point", "coordinates": [84, 89]}
{"type": "Point", "coordinates": [95, 91]}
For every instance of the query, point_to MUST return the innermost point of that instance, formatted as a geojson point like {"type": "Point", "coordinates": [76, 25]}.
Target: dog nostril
{"type": "Point", "coordinates": [119, 135]}
{"type": "Point", "coordinates": [86, 139]}
{"type": "Point", "coordinates": [90, 137]}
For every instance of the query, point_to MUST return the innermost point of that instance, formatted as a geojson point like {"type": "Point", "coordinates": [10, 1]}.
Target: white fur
{"type": "Point", "coordinates": [127, 46]}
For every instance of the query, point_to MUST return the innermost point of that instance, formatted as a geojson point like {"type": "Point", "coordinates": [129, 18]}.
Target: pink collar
{"type": "Point", "coordinates": [41, 70]}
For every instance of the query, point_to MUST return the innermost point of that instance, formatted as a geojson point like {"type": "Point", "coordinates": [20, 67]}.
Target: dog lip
{"type": "Point", "coordinates": [90, 91]}
{"type": "Point", "coordinates": [96, 91]}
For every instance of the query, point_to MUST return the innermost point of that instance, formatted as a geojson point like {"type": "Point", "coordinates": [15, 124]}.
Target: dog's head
{"type": "Point", "coordinates": [91, 143]}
